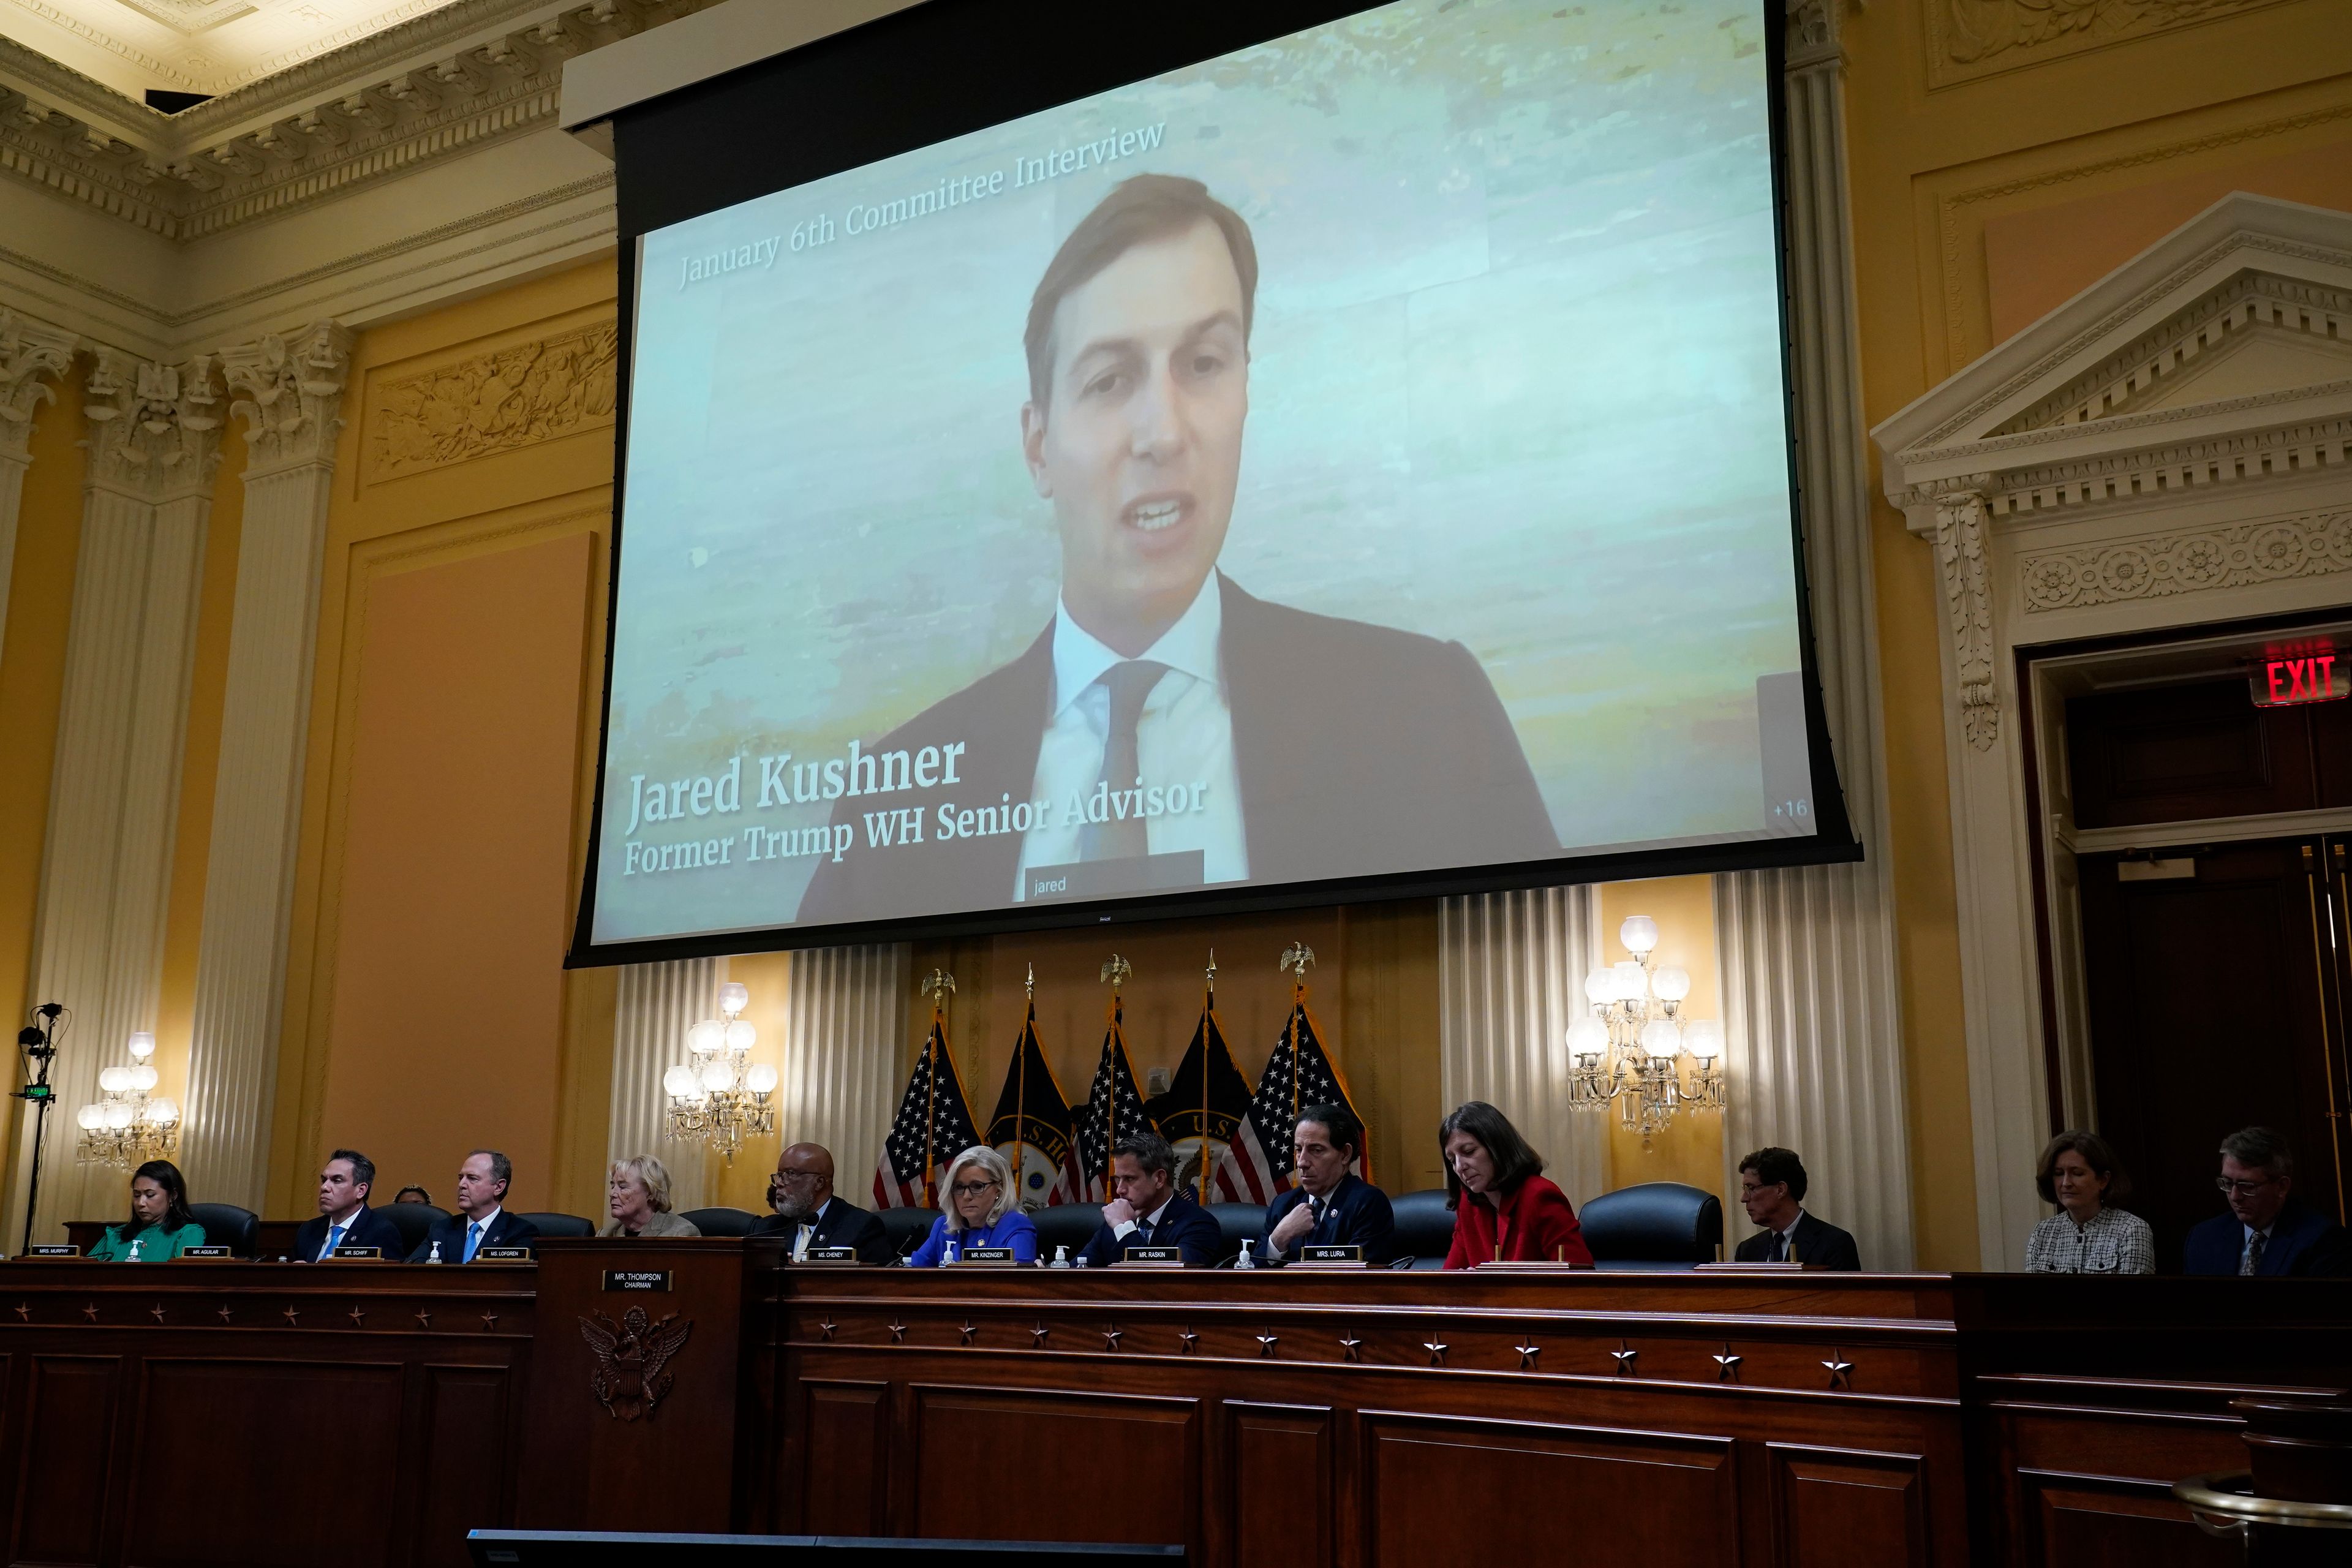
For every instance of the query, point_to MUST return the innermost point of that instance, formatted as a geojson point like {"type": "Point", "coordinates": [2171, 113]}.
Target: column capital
{"type": "Point", "coordinates": [1813, 35]}
{"type": "Point", "coordinates": [291, 394]}
{"type": "Point", "coordinates": [29, 352]}
{"type": "Point", "coordinates": [155, 429]}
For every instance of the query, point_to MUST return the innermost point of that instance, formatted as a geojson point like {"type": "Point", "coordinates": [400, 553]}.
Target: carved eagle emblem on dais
{"type": "Point", "coordinates": [630, 1355]}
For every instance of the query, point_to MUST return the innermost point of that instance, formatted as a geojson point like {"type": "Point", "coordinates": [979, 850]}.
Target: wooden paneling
{"type": "Point", "coordinates": [1280, 1480]}
{"type": "Point", "coordinates": [464, 1406]}
{"type": "Point", "coordinates": [842, 1459]}
{"type": "Point", "coordinates": [2100, 1521]}
{"type": "Point", "coordinates": [64, 1482]}
{"type": "Point", "coordinates": [1044, 1464]}
{"type": "Point", "coordinates": [1832, 1508]}
{"type": "Point", "coordinates": [1454, 1493]}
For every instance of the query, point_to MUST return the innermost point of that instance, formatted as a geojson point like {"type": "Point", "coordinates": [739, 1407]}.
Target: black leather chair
{"type": "Point", "coordinates": [906, 1228]}
{"type": "Point", "coordinates": [1424, 1228]}
{"type": "Point", "coordinates": [1654, 1226]}
{"type": "Point", "coordinates": [412, 1220]}
{"type": "Point", "coordinates": [1065, 1224]}
{"type": "Point", "coordinates": [225, 1225]}
{"type": "Point", "coordinates": [1243, 1226]}
{"type": "Point", "coordinates": [560, 1225]}
{"type": "Point", "coordinates": [720, 1222]}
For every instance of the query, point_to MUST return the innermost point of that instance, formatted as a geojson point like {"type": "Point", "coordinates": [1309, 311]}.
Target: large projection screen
{"type": "Point", "coordinates": [1310, 455]}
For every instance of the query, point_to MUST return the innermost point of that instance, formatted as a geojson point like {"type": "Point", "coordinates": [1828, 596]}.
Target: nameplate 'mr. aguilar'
{"type": "Point", "coordinates": [636, 1280]}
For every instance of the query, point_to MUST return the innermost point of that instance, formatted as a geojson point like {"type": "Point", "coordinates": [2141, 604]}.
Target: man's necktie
{"type": "Point", "coordinates": [1779, 1247]}
{"type": "Point", "coordinates": [473, 1239]}
{"type": "Point", "coordinates": [1314, 1207]}
{"type": "Point", "coordinates": [1122, 838]}
{"type": "Point", "coordinates": [334, 1240]}
{"type": "Point", "coordinates": [1143, 1232]}
{"type": "Point", "coordinates": [2251, 1262]}
{"type": "Point", "coordinates": [801, 1243]}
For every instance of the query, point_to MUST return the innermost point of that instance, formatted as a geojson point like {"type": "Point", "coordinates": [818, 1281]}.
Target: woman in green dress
{"type": "Point", "coordinates": [159, 1226]}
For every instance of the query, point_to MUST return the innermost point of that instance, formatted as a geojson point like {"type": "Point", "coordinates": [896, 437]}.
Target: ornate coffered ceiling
{"type": "Point", "coordinates": [208, 46]}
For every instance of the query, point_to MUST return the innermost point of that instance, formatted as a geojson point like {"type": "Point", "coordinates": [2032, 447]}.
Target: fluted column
{"type": "Point", "coordinates": [1814, 1049]}
{"type": "Point", "coordinates": [30, 355]}
{"type": "Point", "coordinates": [1511, 970]}
{"type": "Point", "coordinates": [152, 449]}
{"type": "Point", "coordinates": [289, 393]}
{"type": "Point", "coordinates": [656, 1006]}
{"type": "Point", "coordinates": [844, 1044]}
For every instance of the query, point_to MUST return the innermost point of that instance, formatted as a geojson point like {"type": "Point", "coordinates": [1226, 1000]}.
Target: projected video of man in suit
{"type": "Point", "coordinates": [1169, 729]}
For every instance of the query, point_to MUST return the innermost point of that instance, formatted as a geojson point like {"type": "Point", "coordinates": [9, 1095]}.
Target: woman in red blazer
{"type": "Point", "coordinates": [1511, 1212]}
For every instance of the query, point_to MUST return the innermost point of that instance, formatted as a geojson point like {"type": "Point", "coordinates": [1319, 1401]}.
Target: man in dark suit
{"type": "Point", "coordinates": [1148, 1211]}
{"type": "Point", "coordinates": [481, 1219]}
{"type": "Point", "coordinates": [2268, 1229]}
{"type": "Point", "coordinates": [1772, 1190]}
{"type": "Point", "coordinates": [1331, 1206]}
{"type": "Point", "coordinates": [1168, 728]}
{"type": "Point", "coordinates": [809, 1214]}
{"type": "Point", "coordinates": [345, 1218]}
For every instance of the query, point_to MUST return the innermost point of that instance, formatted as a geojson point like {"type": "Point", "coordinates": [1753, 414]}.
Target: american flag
{"type": "Point", "coordinates": [1032, 1127]}
{"type": "Point", "coordinates": [934, 1126]}
{"type": "Point", "coordinates": [1262, 1161]}
{"type": "Point", "coordinates": [1114, 1110]}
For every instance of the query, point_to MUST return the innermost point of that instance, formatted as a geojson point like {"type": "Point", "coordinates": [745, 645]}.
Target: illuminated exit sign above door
{"type": "Point", "coordinates": [2285, 677]}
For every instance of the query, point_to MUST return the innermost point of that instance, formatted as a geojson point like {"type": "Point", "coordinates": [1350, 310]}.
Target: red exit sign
{"type": "Point", "coordinates": [2288, 676]}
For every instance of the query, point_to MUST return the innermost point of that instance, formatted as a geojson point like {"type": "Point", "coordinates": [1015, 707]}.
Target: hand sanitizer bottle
{"type": "Point", "coordinates": [1248, 1258]}
{"type": "Point", "coordinates": [136, 1242]}
{"type": "Point", "coordinates": [1061, 1258]}
{"type": "Point", "coordinates": [436, 1255]}
{"type": "Point", "coordinates": [955, 1252]}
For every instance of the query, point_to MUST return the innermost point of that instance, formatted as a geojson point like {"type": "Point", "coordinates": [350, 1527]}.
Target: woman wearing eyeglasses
{"type": "Point", "coordinates": [2088, 1234]}
{"type": "Point", "coordinates": [979, 1212]}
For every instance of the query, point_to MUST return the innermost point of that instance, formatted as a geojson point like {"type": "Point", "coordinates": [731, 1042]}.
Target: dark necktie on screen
{"type": "Point", "coordinates": [1128, 684]}
{"type": "Point", "coordinates": [2252, 1262]}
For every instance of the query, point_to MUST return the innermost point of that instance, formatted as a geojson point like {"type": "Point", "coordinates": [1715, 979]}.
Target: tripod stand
{"type": "Point", "coordinates": [39, 1043]}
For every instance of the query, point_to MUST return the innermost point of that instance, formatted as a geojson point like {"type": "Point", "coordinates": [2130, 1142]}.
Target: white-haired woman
{"type": "Point", "coordinates": [637, 1195]}
{"type": "Point", "coordinates": [979, 1212]}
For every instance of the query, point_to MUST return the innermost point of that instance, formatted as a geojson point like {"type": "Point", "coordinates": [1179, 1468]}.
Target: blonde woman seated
{"type": "Point", "coordinates": [638, 1198]}
{"type": "Point", "coordinates": [980, 1213]}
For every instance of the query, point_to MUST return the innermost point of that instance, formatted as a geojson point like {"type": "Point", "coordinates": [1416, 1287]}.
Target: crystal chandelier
{"type": "Point", "coordinates": [1632, 1048]}
{"type": "Point", "coordinates": [126, 1128]}
{"type": "Point", "coordinates": [719, 1096]}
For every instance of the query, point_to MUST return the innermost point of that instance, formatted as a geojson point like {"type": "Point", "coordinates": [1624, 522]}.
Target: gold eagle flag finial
{"type": "Point", "coordinates": [1296, 957]}
{"type": "Point", "coordinates": [938, 986]}
{"type": "Point", "coordinates": [1115, 972]}
{"type": "Point", "coordinates": [1031, 984]}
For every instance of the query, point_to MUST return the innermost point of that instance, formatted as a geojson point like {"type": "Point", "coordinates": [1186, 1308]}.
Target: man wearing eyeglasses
{"type": "Point", "coordinates": [2268, 1229]}
{"type": "Point", "coordinates": [808, 1215]}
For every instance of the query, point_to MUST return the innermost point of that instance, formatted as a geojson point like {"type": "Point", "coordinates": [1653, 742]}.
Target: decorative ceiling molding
{"type": "Point", "coordinates": [349, 133]}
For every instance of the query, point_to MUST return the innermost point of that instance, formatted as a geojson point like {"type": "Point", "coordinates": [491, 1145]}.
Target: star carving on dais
{"type": "Point", "coordinates": [1841, 1370]}
{"type": "Point", "coordinates": [969, 1329]}
{"type": "Point", "coordinates": [898, 1332]}
{"type": "Point", "coordinates": [1727, 1365]}
{"type": "Point", "coordinates": [358, 1318]}
{"type": "Point", "coordinates": [224, 1314]}
{"type": "Point", "coordinates": [1187, 1339]}
{"type": "Point", "coordinates": [90, 1312]}
{"type": "Point", "coordinates": [156, 1311]}
{"type": "Point", "coordinates": [25, 1310]}
{"type": "Point", "coordinates": [1352, 1348]}
{"type": "Point", "coordinates": [424, 1319]}
{"type": "Point", "coordinates": [1436, 1348]}
{"type": "Point", "coordinates": [290, 1315]}
{"type": "Point", "coordinates": [1265, 1343]}
{"type": "Point", "coordinates": [490, 1321]}
{"type": "Point", "coordinates": [825, 1328]}
{"type": "Point", "coordinates": [1527, 1353]}
{"type": "Point", "coordinates": [1111, 1336]}
{"type": "Point", "coordinates": [1623, 1355]}
{"type": "Point", "coordinates": [1037, 1336]}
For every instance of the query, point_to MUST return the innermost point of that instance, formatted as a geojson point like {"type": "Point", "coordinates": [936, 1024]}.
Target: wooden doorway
{"type": "Point", "coordinates": [2216, 984]}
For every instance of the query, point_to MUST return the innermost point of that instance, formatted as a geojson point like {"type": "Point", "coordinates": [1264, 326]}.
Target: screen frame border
{"type": "Point", "coordinates": [688, 113]}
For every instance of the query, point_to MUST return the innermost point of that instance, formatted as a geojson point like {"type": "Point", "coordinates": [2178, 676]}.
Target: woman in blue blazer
{"type": "Point", "coordinates": [979, 1212]}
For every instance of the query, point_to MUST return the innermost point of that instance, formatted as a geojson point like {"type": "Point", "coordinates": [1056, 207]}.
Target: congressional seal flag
{"type": "Point", "coordinates": [1031, 1126]}
{"type": "Point", "coordinates": [934, 1123]}
{"type": "Point", "coordinates": [1203, 1107]}
{"type": "Point", "coordinates": [1299, 1073]}
{"type": "Point", "coordinates": [1114, 1110]}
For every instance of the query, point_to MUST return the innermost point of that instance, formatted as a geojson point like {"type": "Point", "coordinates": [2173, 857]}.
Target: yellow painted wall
{"type": "Point", "coordinates": [454, 710]}
{"type": "Point", "coordinates": [1691, 1150]}
{"type": "Point", "coordinates": [1984, 192]}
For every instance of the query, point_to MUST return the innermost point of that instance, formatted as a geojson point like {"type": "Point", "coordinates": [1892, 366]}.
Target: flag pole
{"type": "Point", "coordinates": [1021, 1089]}
{"type": "Point", "coordinates": [1115, 974]}
{"type": "Point", "coordinates": [1297, 956]}
{"type": "Point", "coordinates": [937, 986]}
{"type": "Point", "coordinates": [1207, 1007]}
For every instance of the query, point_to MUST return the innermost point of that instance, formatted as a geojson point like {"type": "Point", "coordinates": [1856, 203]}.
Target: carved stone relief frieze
{"type": "Point", "coordinates": [492, 402]}
{"type": "Point", "coordinates": [2187, 562]}
{"type": "Point", "coordinates": [1968, 604]}
{"type": "Point", "coordinates": [1971, 39]}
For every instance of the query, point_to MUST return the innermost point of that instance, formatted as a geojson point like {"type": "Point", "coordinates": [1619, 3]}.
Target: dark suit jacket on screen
{"type": "Point", "coordinates": [1182, 1222]}
{"type": "Point", "coordinates": [1359, 748]}
{"type": "Point", "coordinates": [2303, 1242]}
{"type": "Point", "coordinates": [843, 1223]}
{"type": "Point", "coordinates": [1357, 1215]}
{"type": "Point", "coordinates": [509, 1229]}
{"type": "Point", "coordinates": [368, 1228]}
{"type": "Point", "coordinates": [1817, 1242]}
